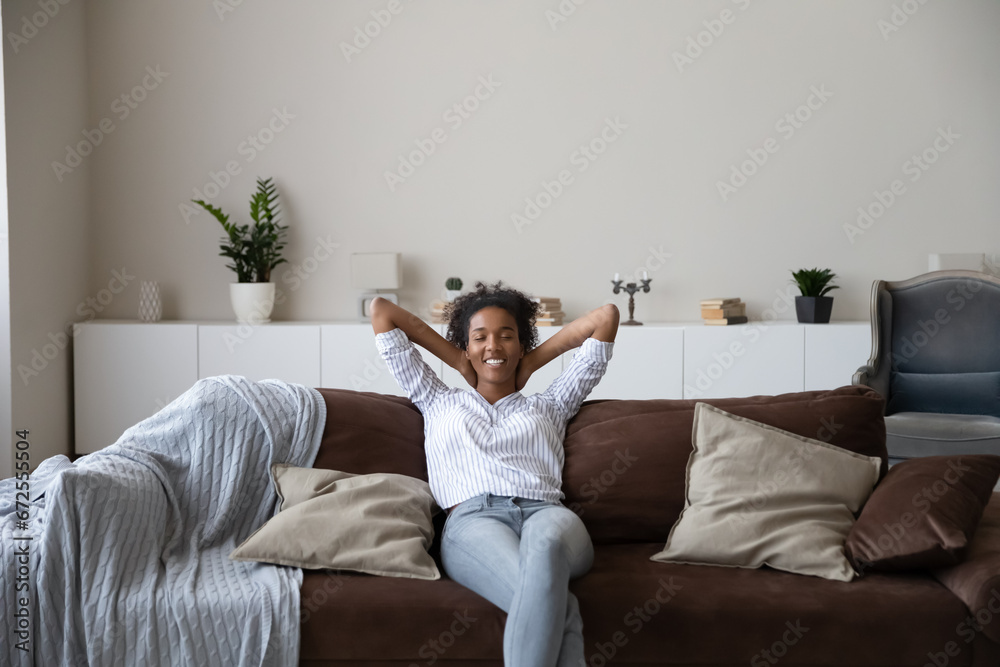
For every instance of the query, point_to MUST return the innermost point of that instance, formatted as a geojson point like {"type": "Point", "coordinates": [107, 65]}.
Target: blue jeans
{"type": "Point", "coordinates": [520, 555]}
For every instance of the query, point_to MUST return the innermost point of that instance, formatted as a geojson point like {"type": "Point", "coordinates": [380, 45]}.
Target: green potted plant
{"type": "Point", "coordinates": [254, 251]}
{"type": "Point", "coordinates": [814, 307]}
{"type": "Point", "coordinates": [453, 288]}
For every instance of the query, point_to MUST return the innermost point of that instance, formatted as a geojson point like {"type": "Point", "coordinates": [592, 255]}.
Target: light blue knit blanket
{"type": "Point", "coordinates": [128, 558]}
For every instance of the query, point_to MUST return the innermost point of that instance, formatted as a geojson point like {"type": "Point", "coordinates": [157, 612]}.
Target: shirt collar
{"type": "Point", "coordinates": [502, 401]}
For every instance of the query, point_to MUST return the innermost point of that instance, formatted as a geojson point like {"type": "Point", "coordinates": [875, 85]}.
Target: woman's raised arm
{"type": "Point", "coordinates": [600, 323]}
{"type": "Point", "coordinates": [386, 316]}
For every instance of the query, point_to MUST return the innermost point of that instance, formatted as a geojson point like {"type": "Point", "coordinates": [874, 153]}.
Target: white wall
{"type": "Point", "coordinates": [653, 188]}
{"type": "Point", "coordinates": [45, 83]}
{"type": "Point", "coordinates": [654, 191]}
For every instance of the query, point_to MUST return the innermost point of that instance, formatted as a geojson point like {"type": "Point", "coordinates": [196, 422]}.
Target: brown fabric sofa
{"type": "Point", "coordinates": [625, 475]}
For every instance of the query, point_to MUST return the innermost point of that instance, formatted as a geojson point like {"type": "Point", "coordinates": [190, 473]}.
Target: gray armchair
{"type": "Point", "coordinates": [936, 361]}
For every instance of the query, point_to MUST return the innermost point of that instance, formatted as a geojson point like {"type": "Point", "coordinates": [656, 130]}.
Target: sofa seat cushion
{"type": "Point", "coordinates": [356, 617]}
{"type": "Point", "coordinates": [646, 612]}
{"type": "Point", "coordinates": [662, 613]}
{"type": "Point", "coordinates": [913, 434]}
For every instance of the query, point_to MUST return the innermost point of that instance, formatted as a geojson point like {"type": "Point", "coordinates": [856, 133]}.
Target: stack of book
{"type": "Point", "coordinates": [437, 311]}
{"type": "Point", "coordinates": [723, 311]}
{"type": "Point", "coordinates": [551, 314]}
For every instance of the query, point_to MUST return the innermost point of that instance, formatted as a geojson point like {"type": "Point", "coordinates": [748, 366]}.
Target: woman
{"type": "Point", "coordinates": [495, 457]}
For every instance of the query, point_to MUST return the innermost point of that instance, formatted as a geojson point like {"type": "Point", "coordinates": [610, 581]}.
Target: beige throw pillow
{"type": "Point", "coordinates": [377, 524]}
{"type": "Point", "coordinates": [757, 495]}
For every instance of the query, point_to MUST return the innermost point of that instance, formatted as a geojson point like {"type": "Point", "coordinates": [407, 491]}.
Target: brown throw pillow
{"type": "Point", "coordinates": [923, 513]}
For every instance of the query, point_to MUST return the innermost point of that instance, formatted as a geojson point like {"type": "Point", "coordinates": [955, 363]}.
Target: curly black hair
{"type": "Point", "coordinates": [460, 311]}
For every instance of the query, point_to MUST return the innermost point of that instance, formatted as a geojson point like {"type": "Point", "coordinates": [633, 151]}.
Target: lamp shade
{"type": "Point", "coordinates": [375, 270]}
{"type": "Point", "coordinates": [971, 261]}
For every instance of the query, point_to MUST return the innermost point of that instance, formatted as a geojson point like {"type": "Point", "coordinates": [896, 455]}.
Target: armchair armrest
{"type": "Point", "coordinates": [976, 581]}
{"type": "Point", "coordinates": [862, 374]}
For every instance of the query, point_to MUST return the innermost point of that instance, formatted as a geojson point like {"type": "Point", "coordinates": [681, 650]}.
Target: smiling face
{"type": "Point", "coordinates": [494, 347]}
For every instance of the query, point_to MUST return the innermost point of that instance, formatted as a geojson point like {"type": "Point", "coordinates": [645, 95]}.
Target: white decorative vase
{"type": "Point", "coordinates": [252, 302]}
{"type": "Point", "coordinates": [452, 294]}
{"type": "Point", "coordinates": [150, 306]}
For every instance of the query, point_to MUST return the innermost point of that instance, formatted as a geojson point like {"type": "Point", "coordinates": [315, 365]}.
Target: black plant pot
{"type": "Point", "coordinates": [813, 309]}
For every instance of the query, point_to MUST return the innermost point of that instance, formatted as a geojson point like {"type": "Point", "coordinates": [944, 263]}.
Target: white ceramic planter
{"type": "Point", "coordinates": [252, 302]}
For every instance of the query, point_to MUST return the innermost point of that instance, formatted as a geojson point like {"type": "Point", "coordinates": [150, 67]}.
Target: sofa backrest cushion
{"type": "Point", "coordinates": [626, 460]}
{"type": "Point", "coordinates": [367, 433]}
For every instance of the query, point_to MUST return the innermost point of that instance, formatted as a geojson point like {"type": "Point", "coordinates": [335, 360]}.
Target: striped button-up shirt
{"type": "Point", "coordinates": [511, 448]}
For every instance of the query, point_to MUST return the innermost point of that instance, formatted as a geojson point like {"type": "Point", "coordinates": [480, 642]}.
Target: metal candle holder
{"type": "Point", "coordinates": [631, 288]}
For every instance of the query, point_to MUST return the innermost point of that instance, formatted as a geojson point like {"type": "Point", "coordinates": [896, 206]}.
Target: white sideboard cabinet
{"type": "Point", "coordinates": [286, 350]}
{"type": "Point", "coordinates": [834, 351]}
{"type": "Point", "coordinates": [126, 371]}
{"type": "Point", "coordinates": [350, 360]}
{"type": "Point", "coordinates": [721, 362]}
{"type": "Point", "coordinates": [647, 362]}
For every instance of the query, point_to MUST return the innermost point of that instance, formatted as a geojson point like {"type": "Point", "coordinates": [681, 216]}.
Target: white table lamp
{"type": "Point", "coordinates": [971, 261]}
{"type": "Point", "coordinates": [374, 271]}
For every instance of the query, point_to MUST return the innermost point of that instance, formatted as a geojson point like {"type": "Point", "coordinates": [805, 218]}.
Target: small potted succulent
{"type": "Point", "coordinates": [814, 307]}
{"type": "Point", "coordinates": [254, 251]}
{"type": "Point", "coordinates": [453, 288]}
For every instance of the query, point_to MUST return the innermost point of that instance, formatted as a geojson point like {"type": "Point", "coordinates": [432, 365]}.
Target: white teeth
{"type": "Point", "coordinates": [494, 362]}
